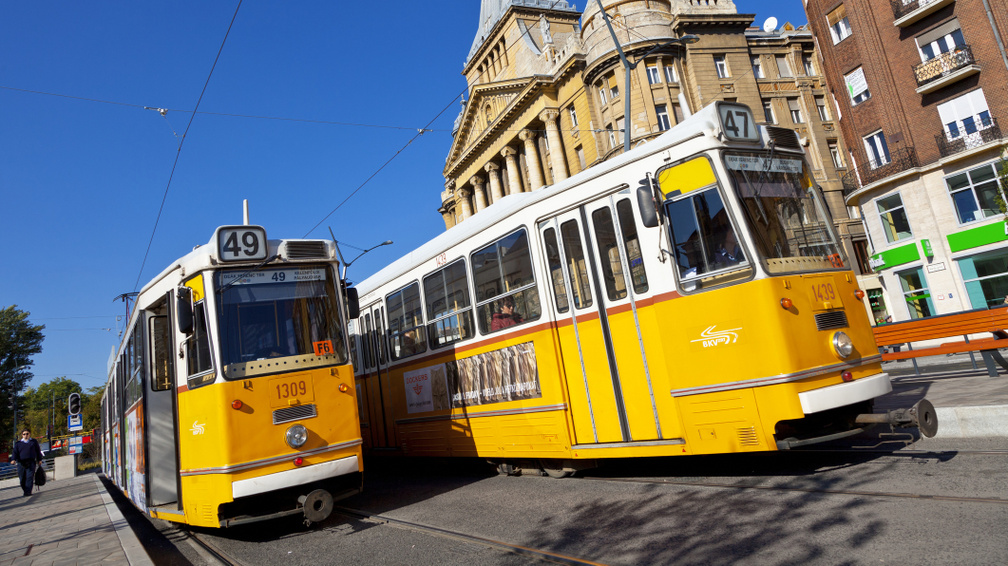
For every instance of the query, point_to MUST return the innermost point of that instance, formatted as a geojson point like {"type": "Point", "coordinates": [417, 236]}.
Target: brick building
{"type": "Point", "coordinates": [547, 93]}
{"type": "Point", "coordinates": [920, 87]}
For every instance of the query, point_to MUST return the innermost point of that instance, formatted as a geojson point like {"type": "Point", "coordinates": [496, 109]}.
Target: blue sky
{"type": "Point", "coordinates": [307, 101]}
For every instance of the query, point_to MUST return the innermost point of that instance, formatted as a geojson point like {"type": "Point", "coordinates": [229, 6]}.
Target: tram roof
{"type": "Point", "coordinates": [703, 121]}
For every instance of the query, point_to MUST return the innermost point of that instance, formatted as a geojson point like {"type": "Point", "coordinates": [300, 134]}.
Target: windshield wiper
{"type": "Point", "coordinates": [250, 271]}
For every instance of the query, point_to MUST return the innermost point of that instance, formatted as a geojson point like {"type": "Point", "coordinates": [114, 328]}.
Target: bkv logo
{"type": "Point", "coordinates": [711, 337]}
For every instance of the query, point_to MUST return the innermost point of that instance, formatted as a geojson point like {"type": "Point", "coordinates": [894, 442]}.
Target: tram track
{"type": "Point", "coordinates": [543, 555]}
{"type": "Point", "coordinates": [796, 489]}
{"type": "Point", "coordinates": [210, 549]}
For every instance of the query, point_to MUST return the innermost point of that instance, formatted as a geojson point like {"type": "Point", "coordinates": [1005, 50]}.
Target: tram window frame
{"type": "Point", "coordinates": [400, 327]}
{"type": "Point", "coordinates": [610, 259]}
{"type": "Point", "coordinates": [631, 243]}
{"type": "Point", "coordinates": [366, 337]}
{"type": "Point", "coordinates": [555, 267]}
{"type": "Point", "coordinates": [449, 325]}
{"type": "Point", "coordinates": [498, 288]}
{"type": "Point", "coordinates": [572, 242]}
{"type": "Point", "coordinates": [199, 360]}
{"type": "Point", "coordinates": [161, 360]}
{"type": "Point", "coordinates": [713, 275]}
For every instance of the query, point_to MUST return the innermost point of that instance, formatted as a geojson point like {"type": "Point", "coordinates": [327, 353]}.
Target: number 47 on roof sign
{"type": "Point", "coordinates": [75, 422]}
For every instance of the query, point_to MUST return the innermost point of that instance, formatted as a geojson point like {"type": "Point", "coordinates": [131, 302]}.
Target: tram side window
{"type": "Point", "coordinates": [575, 258]}
{"type": "Point", "coordinates": [706, 244]}
{"type": "Point", "coordinates": [366, 339]}
{"type": "Point", "coordinates": [506, 293]}
{"type": "Point", "coordinates": [380, 342]}
{"type": "Point", "coordinates": [628, 226]}
{"type": "Point", "coordinates": [406, 330]}
{"type": "Point", "coordinates": [448, 307]}
{"type": "Point", "coordinates": [197, 347]}
{"type": "Point", "coordinates": [555, 265]}
{"type": "Point", "coordinates": [608, 250]}
{"type": "Point", "coordinates": [161, 354]}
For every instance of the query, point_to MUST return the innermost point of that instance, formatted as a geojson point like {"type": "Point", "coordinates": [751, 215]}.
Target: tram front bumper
{"type": "Point", "coordinates": [297, 476]}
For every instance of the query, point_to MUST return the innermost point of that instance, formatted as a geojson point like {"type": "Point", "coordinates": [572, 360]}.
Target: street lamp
{"type": "Point", "coordinates": [684, 40]}
{"type": "Point", "coordinates": [346, 264]}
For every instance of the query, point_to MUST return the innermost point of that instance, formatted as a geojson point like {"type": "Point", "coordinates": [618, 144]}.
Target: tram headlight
{"type": "Point", "coordinates": [297, 435]}
{"type": "Point", "coordinates": [842, 344]}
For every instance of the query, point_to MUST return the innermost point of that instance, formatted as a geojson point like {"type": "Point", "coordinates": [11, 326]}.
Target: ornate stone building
{"type": "Point", "coordinates": [547, 87]}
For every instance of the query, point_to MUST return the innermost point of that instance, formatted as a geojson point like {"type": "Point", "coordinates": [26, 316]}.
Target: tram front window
{"type": "Point", "coordinates": [272, 314]}
{"type": "Point", "coordinates": [788, 223]}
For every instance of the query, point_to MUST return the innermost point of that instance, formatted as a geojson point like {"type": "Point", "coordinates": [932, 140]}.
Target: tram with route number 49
{"type": "Point", "coordinates": [688, 297]}
{"type": "Point", "coordinates": [231, 397]}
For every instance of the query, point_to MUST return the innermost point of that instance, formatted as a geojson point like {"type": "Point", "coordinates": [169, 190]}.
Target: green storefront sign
{"type": "Point", "coordinates": [895, 256]}
{"type": "Point", "coordinates": [979, 236]}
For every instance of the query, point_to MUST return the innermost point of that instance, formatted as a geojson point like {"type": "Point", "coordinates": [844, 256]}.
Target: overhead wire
{"type": "Point", "coordinates": [178, 152]}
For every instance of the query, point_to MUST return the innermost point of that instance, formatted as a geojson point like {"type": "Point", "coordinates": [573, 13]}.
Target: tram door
{"type": "Point", "coordinates": [596, 268]}
{"type": "Point", "coordinates": [375, 370]}
{"type": "Point", "coordinates": [162, 430]}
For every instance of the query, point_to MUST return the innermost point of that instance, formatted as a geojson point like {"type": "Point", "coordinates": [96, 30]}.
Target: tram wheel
{"type": "Point", "coordinates": [555, 469]}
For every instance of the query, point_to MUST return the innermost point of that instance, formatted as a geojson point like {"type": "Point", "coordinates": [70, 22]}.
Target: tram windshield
{"type": "Point", "coordinates": [789, 225]}
{"type": "Point", "coordinates": [279, 319]}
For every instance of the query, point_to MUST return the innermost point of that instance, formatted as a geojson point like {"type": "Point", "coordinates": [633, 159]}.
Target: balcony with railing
{"type": "Point", "coordinates": [869, 171]}
{"type": "Point", "coordinates": [906, 13]}
{"type": "Point", "coordinates": [945, 69]}
{"type": "Point", "coordinates": [983, 131]}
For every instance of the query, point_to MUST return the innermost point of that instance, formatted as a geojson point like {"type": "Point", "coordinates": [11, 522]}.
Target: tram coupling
{"type": "Point", "coordinates": [317, 506]}
{"type": "Point", "coordinates": [921, 415]}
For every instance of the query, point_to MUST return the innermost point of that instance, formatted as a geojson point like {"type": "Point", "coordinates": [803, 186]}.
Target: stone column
{"type": "Point", "coordinates": [464, 195]}
{"type": "Point", "coordinates": [532, 160]}
{"type": "Point", "coordinates": [477, 183]}
{"type": "Point", "coordinates": [493, 171]}
{"type": "Point", "coordinates": [557, 159]}
{"type": "Point", "coordinates": [514, 176]}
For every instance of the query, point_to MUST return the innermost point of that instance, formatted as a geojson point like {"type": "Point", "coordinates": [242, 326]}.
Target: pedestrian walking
{"type": "Point", "coordinates": [28, 454]}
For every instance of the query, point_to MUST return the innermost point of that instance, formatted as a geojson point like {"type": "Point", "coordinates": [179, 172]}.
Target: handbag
{"type": "Point", "coordinates": [40, 476]}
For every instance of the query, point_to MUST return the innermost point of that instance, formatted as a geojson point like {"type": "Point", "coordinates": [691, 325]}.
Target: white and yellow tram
{"type": "Point", "coordinates": [688, 297]}
{"type": "Point", "coordinates": [231, 397]}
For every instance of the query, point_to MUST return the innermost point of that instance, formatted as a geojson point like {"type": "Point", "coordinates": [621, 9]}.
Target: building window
{"type": "Point", "coordinates": [915, 291]}
{"type": "Point", "coordinates": [839, 26]}
{"type": "Point", "coordinates": [809, 68]}
{"type": "Point", "coordinates": [975, 193]}
{"type": "Point", "coordinates": [573, 116]}
{"type": "Point", "coordinates": [620, 130]}
{"type": "Point", "coordinates": [768, 111]}
{"type": "Point", "coordinates": [581, 157]}
{"type": "Point", "coordinates": [613, 88]}
{"type": "Point", "coordinates": [757, 68]}
{"type": "Point", "coordinates": [986, 278]}
{"type": "Point", "coordinates": [877, 150]}
{"type": "Point", "coordinates": [612, 137]}
{"type": "Point", "coordinates": [677, 111]}
{"type": "Point", "coordinates": [721, 65]}
{"type": "Point", "coordinates": [965, 116]}
{"type": "Point", "coordinates": [783, 67]}
{"type": "Point", "coordinates": [861, 255]}
{"type": "Point", "coordinates": [820, 102]}
{"type": "Point", "coordinates": [946, 38]}
{"type": "Point", "coordinates": [795, 107]}
{"type": "Point", "coordinates": [857, 86]}
{"type": "Point", "coordinates": [602, 95]}
{"type": "Point", "coordinates": [834, 151]}
{"type": "Point", "coordinates": [894, 218]}
{"type": "Point", "coordinates": [663, 118]}
{"type": "Point", "coordinates": [671, 76]}
{"type": "Point", "coordinates": [653, 76]}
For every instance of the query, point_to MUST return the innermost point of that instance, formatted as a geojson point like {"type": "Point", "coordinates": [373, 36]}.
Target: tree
{"type": "Point", "coordinates": [19, 341]}
{"type": "Point", "coordinates": [47, 405]}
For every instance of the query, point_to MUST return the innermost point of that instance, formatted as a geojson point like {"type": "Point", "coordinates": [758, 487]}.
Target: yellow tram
{"type": "Point", "coordinates": [231, 397]}
{"type": "Point", "coordinates": [688, 297]}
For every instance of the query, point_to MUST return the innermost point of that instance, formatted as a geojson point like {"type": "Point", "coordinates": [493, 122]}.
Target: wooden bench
{"type": "Point", "coordinates": [958, 325]}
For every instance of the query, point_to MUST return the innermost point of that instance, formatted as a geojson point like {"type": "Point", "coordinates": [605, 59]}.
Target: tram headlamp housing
{"type": "Point", "coordinates": [842, 344]}
{"type": "Point", "coordinates": [297, 435]}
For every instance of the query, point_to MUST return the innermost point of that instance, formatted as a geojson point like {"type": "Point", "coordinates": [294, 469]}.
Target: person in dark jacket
{"type": "Point", "coordinates": [28, 454]}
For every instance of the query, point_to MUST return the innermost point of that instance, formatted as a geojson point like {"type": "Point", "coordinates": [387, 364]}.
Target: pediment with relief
{"type": "Point", "coordinates": [487, 105]}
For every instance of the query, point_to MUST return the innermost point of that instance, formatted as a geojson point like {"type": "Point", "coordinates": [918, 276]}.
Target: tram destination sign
{"type": "Point", "coordinates": [273, 276]}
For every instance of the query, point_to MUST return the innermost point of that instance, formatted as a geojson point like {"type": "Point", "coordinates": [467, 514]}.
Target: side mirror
{"type": "Point", "coordinates": [646, 201]}
{"type": "Point", "coordinates": [352, 302]}
{"type": "Point", "coordinates": [184, 308]}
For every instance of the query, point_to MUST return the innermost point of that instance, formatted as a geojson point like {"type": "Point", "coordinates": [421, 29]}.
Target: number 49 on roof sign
{"type": "Point", "coordinates": [75, 422]}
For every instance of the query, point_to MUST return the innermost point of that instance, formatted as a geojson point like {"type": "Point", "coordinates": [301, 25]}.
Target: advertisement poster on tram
{"type": "Point", "coordinates": [507, 374]}
{"type": "Point", "coordinates": [136, 481]}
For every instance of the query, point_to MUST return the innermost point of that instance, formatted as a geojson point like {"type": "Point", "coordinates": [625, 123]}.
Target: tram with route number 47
{"type": "Point", "coordinates": [231, 397]}
{"type": "Point", "coordinates": [688, 297]}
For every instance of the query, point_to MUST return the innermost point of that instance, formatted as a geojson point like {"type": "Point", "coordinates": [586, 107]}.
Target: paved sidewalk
{"type": "Point", "coordinates": [69, 521]}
